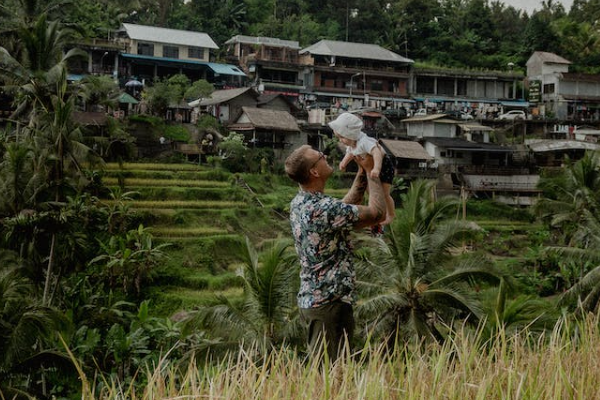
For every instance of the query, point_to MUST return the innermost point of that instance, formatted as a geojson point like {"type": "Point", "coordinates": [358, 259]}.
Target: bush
{"type": "Point", "coordinates": [493, 210]}
{"type": "Point", "coordinates": [177, 133]}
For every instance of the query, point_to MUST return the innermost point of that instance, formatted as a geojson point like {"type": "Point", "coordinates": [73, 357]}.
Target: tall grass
{"type": "Point", "coordinates": [562, 364]}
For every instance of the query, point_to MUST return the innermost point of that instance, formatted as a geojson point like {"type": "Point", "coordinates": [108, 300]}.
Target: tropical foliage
{"type": "Point", "coordinates": [413, 285]}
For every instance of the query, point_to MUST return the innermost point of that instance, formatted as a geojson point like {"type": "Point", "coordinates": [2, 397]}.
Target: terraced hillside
{"type": "Point", "coordinates": [204, 214]}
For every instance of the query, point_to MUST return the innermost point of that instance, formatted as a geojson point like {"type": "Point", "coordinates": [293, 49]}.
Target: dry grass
{"type": "Point", "coordinates": [555, 366]}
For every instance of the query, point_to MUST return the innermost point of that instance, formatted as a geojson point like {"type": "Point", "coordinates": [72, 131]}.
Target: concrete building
{"type": "Point", "coordinates": [151, 52]}
{"type": "Point", "coordinates": [562, 95]}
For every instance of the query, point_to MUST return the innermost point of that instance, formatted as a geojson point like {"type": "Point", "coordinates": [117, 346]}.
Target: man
{"type": "Point", "coordinates": [321, 227]}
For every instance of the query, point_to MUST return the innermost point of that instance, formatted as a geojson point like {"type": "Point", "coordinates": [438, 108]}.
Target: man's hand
{"type": "Point", "coordinates": [375, 173]}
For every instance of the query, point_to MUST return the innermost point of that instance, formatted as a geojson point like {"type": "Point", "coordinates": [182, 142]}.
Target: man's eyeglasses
{"type": "Point", "coordinates": [321, 156]}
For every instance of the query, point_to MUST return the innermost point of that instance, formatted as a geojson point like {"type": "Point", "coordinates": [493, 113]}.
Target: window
{"type": "Point", "coordinates": [170, 51]}
{"type": "Point", "coordinates": [376, 85]}
{"type": "Point", "coordinates": [195, 52]}
{"type": "Point", "coordinates": [145, 49]}
{"type": "Point", "coordinates": [549, 88]}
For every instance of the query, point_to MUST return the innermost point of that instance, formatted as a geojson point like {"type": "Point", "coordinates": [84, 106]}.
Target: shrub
{"type": "Point", "coordinates": [176, 133]}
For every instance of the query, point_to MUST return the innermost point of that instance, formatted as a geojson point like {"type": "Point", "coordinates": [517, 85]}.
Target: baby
{"type": "Point", "coordinates": [348, 129]}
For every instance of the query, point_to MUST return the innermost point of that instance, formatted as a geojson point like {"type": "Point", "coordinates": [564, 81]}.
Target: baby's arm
{"type": "Point", "coordinates": [345, 161]}
{"type": "Point", "coordinates": [378, 155]}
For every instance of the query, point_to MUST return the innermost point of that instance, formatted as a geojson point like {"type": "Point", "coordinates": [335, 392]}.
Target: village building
{"type": "Point", "coordinates": [410, 158]}
{"type": "Point", "coordinates": [152, 52]}
{"type": "Point", "coordinates": [354, 75]}
{"type": "Point", "coordinates": [225, 105]}
{"type": "Point", "coordinates": [274, 129]}
{"type": "Point", "coordinates": [434, 125]}
{"type": "Point", "coordinates": [482, 94]}
{"type": "Point", "coordinates": [271, 64]}
{"type": "Point", "coordinates": [561, 94]}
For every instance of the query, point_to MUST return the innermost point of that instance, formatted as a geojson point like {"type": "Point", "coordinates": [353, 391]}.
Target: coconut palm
{"type": "Point", "coordinates": [570, 196]}
{"type": "Point", "coordinates": [99, 92]}
{"type": "Point", "coordinates": [513, 314]}
{"type": "Point", "coordinates": [585, 293]}
{"type": "Point", "coordinates": [20, 183]}
{"type": "Point", "coordinates": [412, 284]}
{"type": "Point", "coordinates": [26, 329]}
{"type": "Point", "coordinates": [265, 316]}
{"type": "Point", "coordinates": [33, 75]}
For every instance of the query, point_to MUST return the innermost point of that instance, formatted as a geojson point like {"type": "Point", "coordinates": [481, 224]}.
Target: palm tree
{"type": "Point", "coordinates": [571, 196]}
{"type": "Point", "coordinates": [33, 75]}
{"type": "Point", "coordinates": [265, 317]}
{"type": "Point", "coordinates": [585, 293]}
{"type": "Point", "coordinates": [511, 315]}
{"type": "Point", "coordinates": [412, 283]}
{"type": "Point", "coordinates": [99, 92]}
{"type": "Point", "coordinates": [19, 181]}
{"type": "Point", "coordinates": [26, 329]}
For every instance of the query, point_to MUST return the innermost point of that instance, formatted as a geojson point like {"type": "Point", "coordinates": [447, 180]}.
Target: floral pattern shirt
{"type": "Point", "coordinates": [321, 228]}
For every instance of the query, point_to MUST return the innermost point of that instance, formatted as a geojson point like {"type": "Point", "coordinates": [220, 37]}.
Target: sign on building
{"type": "Point", "coordinates": [534, 91]}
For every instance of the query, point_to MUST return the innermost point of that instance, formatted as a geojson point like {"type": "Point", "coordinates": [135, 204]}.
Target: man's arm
{"type": "Point", "coordinates": [357, 191]}
{"type": "Point", "coordinates": [374, 212]}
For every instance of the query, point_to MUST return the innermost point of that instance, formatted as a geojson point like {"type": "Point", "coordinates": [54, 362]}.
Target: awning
{"type": "Point", "coordinates": [226, 69]}
{"type": "Point", "coordinates": [163, 60]}
{"type": "Point", "coordinates": [127, 99]}
{"type": "Point", "coordinates": [522, 104]}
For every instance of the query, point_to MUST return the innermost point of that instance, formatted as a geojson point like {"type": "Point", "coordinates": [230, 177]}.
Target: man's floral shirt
{"type": "Point", "coordinates": [321, 228]}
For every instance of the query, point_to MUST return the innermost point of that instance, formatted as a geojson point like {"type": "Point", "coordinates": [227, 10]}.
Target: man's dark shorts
{"type": "Point", "coordinates": [336, 319]}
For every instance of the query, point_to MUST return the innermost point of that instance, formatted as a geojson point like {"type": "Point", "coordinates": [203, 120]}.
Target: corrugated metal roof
{"type": "Point", "coordinates": [465, 145]}
{"type": "Point", "coordinates": [405, 149]}
{"type": "Point", "coordinates": [545, 145]}
{"type": "Point", "coordinates": [475, 127]}
{"type": "Point", "coordinates": [276, 120]}
{"type": "Point", "coordinates": [222, 96]}
{"type": "Point", "coordinates": [442, 118]}
{"type": "Point", "coordinates": [226, 69]}
{"type": "Point", "coordinates": [268, 41]}
{"type": "Point", "coordinates": [354, 50]}
{"type": "Point", "coordinates": [170, 36]}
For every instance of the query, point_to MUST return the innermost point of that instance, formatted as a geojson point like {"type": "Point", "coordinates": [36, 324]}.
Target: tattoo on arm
{"type": "Point", "coordinates": [357, 191]}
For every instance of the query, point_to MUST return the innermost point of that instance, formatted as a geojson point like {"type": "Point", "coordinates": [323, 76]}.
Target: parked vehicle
{"type": "Point", "coordinates": [459, 115]}
{"type": "Point", "coordinates": [512, 115]}
{"type": "Point", "coordinates": [420, 112]}
{"type": "Point", "coordinates": [395, 113]}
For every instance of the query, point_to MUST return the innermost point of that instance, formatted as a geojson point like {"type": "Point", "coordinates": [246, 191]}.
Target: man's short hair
{"type": "Point", "coordinates": [297, 166]}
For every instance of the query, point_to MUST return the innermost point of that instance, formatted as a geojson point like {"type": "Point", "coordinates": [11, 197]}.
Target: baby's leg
{"type": "Point", "coordinates": [390, 207]}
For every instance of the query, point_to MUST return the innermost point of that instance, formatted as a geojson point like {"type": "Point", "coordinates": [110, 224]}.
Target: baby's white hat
{"type": "Point", "coordinates": [347, 125]}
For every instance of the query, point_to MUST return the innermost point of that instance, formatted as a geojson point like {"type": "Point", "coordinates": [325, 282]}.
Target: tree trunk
{"type": "Point", "coordinates": [49, 270]}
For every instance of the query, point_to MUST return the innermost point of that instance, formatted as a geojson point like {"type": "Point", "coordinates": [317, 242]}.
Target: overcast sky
{"type": "Point", "coordinates": [530, 5]}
